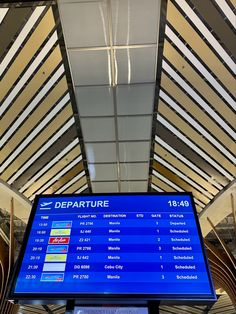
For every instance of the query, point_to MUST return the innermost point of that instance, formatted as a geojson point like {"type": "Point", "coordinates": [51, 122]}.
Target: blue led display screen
{"type": "Point", "coordinates": [120, 245]}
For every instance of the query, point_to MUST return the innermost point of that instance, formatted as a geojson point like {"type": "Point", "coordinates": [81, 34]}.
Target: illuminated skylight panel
{"type": "Point", "coordinates": [3, 12]}
{"type": "Point", "coordinates": [35, 131]}
{"type": "Point", "coordinates": [197, 126]}
{"type": "Point", "coordinates": [198, 99]}
{"type": "Point", "coordinates": [70, 183]}
{"type": "Point", "coordinates": [201, 153]}
{"type": "Point", "coordinates": [43, 149]}
{"type": "Point", "coordinates": [227, 11]}
{"type": "Point", "coordinates": [187, 162]}
{"type": "Point", "coordinates": [190, 56]}
{"type": "Point", "coordinates": [30, 71]}
{"type": "Point", "coordinates": [57, 177]}
{"type": "Point", "coordinates": [207, 34]}
{"type": "Point", "coordinates": [21, 37]}
{"type": "Point", "coordinates": [32, 105]}
{"type": "Point", "coordinates": [182, 176]}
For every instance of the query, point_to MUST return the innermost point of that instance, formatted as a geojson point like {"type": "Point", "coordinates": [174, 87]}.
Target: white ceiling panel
{"type": "Point", "coordinates": [135, 99]}
{"type": "Point", "coordinates": [134, 186]}
{"type": "Point", "coordinates": [100, 152]}
{"type": "Point", "coordinates": [126, 17]}
{"type": "Point", "coordinates": [137, 65]}
{"type": "Point", "coordinates": [102, 172]}
{"type": "Point", "coordinates": [84, 23]}
{"type": "Point", "coordinates": [134, 171]}
{"type": "Point", "coordinates": [94, 101]}
{"type": "Point", "coordinates": [103, 187]}
{"type": "Point", "coordinates": [98, 129]}
{"type": "Point", "coordinates": [90, 67]}
{"type": "Point", "coordinates": [134, 151]}
{"type": "Point", "coordinates": [134, 128]}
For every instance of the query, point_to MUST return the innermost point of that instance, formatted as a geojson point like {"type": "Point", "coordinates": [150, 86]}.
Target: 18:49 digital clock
{"type": "Point", "coordinates": [174, 203]}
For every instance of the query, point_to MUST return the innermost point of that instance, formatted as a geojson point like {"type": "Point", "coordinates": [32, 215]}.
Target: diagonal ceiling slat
{"type": "Point", "coordinates": [17, 74]}
{"type": "Point", "coordinates": [38, 129]}
{"type": "Point", "coordinates": [205, 55]}
{"type": "Point", "coordinates": [38, 182]}
{"type": "Point", "coordinates": [196, 117]}
{"type": "Point", "coordinates": [193, 175]}
{"type": "Point", "coordinates": [194, 125]}
{"type": "Point", "coordinates": [13, 22]}
{"type": "Point", "coordinates": [204, 119]}
{"type": "Point", "coordinates": [204, 145]}
{"type": "Point", "coordinates": [191, 82]}
{"type": "Point", "coordinates": [31, 90]}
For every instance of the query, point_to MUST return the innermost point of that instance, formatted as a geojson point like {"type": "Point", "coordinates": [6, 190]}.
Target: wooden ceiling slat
{"type": "Point", "coordinates": [13, 22]}
{"type": "Point", "coordinates": [57, 122]}
{"type": "Point", "coordinates": [170, 138]}
{"type": "Point", "coordinates": [204, 119]}
{"type": "Point", "coordinates": [65, 178]}
{"type": "Point", "coordinates": [76, 186]}
{"type": "Point", "coordinates": [162, 185]}
{"type": "Point", "coordinates": [178, 181]}
{"type": "Point", "coordinates": [27, 53]}
{"type": "Point", "coordinates": [53, 171]}
{"type": "Point", "coordinates": [204, 144]}
{"type": "Point", "coordinates": [44, 160]}
{"type": "Point", "coordinates": [219, 26]}
{"type": "Point", "coordinates": [38, 114]}
{"type": "Point", "coordinates": [160, 151]}
{"type": "Point", "coordinates": [199, 83]}
{"type": "Point", "coordinates": [233, 3]}
{"type": "Point", "coordinates": [178, 21]}
{"type": "Point", "coordinates": [31, 89]}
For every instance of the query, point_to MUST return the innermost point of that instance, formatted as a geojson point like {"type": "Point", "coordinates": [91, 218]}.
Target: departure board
{"type": "Point", "coordinates": [126, 245]}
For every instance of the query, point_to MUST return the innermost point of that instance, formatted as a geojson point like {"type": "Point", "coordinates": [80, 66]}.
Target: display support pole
{"type": "Point", "coordinates": [153, 307]}
{"type": "Point", "coordinates": [70, 305]}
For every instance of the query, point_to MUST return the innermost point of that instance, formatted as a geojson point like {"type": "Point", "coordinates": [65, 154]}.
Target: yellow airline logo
{"type": "Point", "coordinates": [58, 232]}
{"type": "Point", "coordinates": [55, 257]}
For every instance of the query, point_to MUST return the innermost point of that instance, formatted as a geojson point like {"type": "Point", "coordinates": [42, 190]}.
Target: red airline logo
{"type": "Point", "coordinates": [59, 240]}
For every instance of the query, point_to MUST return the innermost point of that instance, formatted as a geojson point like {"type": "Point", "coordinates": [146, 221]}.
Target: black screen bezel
{"type": "Point", "coordinates": [133, 298]}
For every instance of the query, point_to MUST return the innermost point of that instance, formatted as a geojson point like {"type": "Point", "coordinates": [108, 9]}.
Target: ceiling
{"type": "Point", "coordinates": [119, 96]}
{"type": "Point", "coordinates": [118, 105]}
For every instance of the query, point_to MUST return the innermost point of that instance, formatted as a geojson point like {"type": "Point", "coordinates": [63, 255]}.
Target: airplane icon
{"type": "Point", "coordinates": [44, 204]}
